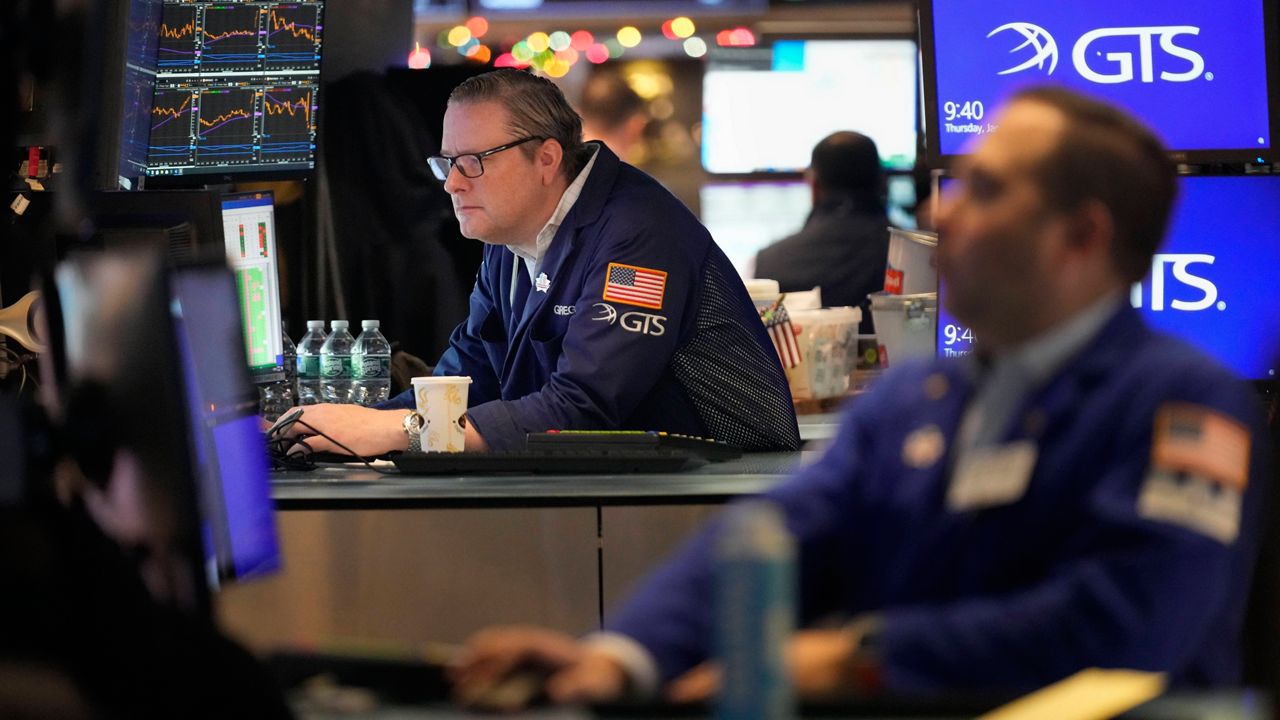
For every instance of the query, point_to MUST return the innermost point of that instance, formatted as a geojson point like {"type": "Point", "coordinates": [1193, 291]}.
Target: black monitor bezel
{"type": "Point", "coordinates": [1271, 38]}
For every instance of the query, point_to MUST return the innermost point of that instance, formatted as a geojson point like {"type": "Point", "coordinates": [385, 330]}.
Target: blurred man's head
{"type": "Point", "coordinates": [511, 145]}
{"type": "Point", "coordinates": [1065, 203]}
{"type": "Point", "coordinates": [613, 113]}
{"type": "Point", "coordinates": [847, 164]}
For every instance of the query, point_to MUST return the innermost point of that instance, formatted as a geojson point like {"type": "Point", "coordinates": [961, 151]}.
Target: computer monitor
{"type": "Point", "coordinates": [1209, 284]}
{"type": "Point", "coordinates": [746, 216]}
{"type": "Point", "coordinates": [230, 462]}
{"type": "Point", "coordinates": [249, 231]}
{"type": "Point", "coordinates": [181, 221]}
{"type": "Point", "coordinates": [236, 88]}
{"type": "Point", "coordinates": [150, 362]}
{"type": "Point", "coordinates": [1203, 75]}
{"type": "Point", "coordinates": [124, 412]}
{"type": "Point", "coordinates": [763, 109]}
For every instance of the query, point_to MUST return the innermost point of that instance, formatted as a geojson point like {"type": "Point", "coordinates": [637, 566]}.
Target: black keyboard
{"type": "Point", "coordinates": [568, 461]}
{"type": "Point", "coordinates": [636, 440]}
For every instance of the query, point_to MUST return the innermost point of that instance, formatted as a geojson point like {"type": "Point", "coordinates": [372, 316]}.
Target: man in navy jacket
{"type": "Point", "coordinates": [1082, 492]}
{"type": "Point", "coordinates": [601, 301]}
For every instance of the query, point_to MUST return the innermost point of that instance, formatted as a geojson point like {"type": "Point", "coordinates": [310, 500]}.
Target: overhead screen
{"type": "Point", "coordinates": [237, 88]}
{"type": "Point", "coordinates": [1210, 284]}
{"type": "Point", "coordinates": [1197, 72]}
{"type": "Point", "coordinates": [763, 109]}
{"type": "Point", "coordinates": [611, 8]}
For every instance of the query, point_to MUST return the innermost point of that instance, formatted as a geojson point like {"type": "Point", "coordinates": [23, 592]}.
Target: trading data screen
{"type": "Point", "coordinates": [248, 229]}
{"type": "Point", "coordinates": [1211, 283]}
{"type": "Point", "coordinates": [236, 87]}
{"type": "Point", "coordinates": [1195, 71]}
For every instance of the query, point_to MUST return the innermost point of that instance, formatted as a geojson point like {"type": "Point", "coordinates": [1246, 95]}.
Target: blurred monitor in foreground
{"type": "Point", "coordinates": [238, 519]}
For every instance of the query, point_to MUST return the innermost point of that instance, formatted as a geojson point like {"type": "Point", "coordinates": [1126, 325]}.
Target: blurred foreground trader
{"type": "Point", "coordinates": [844, 244]}
{"type": "Point", "coordinates": [601, 301]}
{"type": "Point", "coordinates": [1085, 492]}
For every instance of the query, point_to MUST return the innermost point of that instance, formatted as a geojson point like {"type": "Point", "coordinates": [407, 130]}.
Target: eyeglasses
{"type": "Point", "coordinates": [469, 164]}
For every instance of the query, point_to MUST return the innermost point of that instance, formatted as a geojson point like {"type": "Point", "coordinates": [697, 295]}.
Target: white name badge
{"type": "Point", "coordinates": [992, 476]}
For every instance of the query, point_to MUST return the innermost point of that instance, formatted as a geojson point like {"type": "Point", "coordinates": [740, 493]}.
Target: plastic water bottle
{"type": "Point", "coordinates": [309, 363]}
{"type": "Point", "coordinates": [370, 365]}
{"type": "Point", "coordinates": [276, 397]}
{"type": "Point", "coordinates": [335, 364]}
{"type": "Point", "coordinates": [755, 612]}
{"type": "Point", "coordinates": [289, 359]}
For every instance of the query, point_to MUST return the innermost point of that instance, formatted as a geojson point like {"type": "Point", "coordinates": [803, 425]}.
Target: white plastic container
{"type": "Point", "coordinates": [913, 263]}
{"type": "Point", "coordinates": [764, 292]}
{"type": "Point", "coordinates": [828, 342]}
{"type": "Point", "coordinates": [906, 325]}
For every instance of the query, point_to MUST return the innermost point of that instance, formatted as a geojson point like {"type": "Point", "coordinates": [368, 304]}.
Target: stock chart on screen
{"type": "Point", "coordinates": [236, 87]}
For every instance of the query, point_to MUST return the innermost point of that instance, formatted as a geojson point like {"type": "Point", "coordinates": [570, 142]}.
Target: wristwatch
{"type": "Point", "coordinates": [413, 423]}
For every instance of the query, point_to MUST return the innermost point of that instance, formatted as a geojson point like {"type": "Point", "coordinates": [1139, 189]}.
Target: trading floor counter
{"type": "Point", "coordinates": [353, 487]}
{"type": "Point", "coordinates": [434, 558]}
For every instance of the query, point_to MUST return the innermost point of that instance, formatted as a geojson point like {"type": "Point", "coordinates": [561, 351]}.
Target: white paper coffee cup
{"type": "Point", "coordinates": [442, 403]}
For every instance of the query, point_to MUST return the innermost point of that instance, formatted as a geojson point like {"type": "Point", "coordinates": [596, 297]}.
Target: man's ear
{"type": "Point", "coordinates": [549, 158]}
{"type": "Point", "coordinates": [1092, 227]}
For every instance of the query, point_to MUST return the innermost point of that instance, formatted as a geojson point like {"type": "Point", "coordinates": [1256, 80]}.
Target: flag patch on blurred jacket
{"type": "Point", "coordinates": [778, 324]}
{"type": "Point", "coordinates": [635, 285]}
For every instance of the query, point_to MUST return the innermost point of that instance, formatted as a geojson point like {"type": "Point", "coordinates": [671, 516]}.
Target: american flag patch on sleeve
{"type": "Point", "coordinates": [634, 285]}
{"type": "Point", "coordinates": [1199, 471]}
{"type": "Point", "coordinates": [1194, 439]}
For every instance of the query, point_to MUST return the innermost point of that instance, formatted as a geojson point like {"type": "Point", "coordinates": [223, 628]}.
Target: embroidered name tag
{"type": "Point", "coordinates": [992, 476]}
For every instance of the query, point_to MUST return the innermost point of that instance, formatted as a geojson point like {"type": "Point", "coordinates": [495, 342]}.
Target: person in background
{"type": "Point", "coordinates": [614, 114]}
{"type": "Point", "coordinates": [844, 244]}
{"type": "Point", "coordinates": [1082, 491]}
{"type": "Point", "coordinates": [601, 301]}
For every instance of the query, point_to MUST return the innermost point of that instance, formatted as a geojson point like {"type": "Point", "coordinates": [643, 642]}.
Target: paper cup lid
{"type": "Point", "coordinates": [442, 379]}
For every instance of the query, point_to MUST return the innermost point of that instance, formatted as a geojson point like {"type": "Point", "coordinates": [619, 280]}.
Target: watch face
{"type": "Point", "coordinates": [412, 422]}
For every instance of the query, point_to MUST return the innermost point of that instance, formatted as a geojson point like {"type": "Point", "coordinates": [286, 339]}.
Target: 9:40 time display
{"type": "Point", "coordinates": [952, 334]}
{"type": "Point", "coordinates": [971, 110]}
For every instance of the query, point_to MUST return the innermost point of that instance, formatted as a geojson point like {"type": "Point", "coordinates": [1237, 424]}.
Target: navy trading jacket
{"type": "Point", "coordinates": [636, 321]}
{"type": "Point", "coordinates": [1130, 543]}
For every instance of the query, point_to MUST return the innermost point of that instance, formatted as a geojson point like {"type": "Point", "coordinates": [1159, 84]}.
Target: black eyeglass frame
{"type": "Point", "coordinates": [442, 171]}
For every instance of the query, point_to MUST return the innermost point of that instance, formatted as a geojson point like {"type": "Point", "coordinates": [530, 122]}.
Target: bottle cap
{"type": "Point", "coordinates": [315, 324]}
{"type": "Point", "coordinates": [370, 324]}
{"type": "Point", "coordinates": [339, 324]}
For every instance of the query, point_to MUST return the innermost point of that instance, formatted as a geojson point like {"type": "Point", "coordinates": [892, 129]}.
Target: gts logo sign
{"type": "Point", "coordinates": [1179, 266]}
{"type": "Point", "coordinates": [1111, 66]}
{"type": "Point", "coordinates": [637, 322]}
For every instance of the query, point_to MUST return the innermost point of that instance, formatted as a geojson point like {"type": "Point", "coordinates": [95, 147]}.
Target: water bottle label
{"type": "Point", "coordinates": [309, 367]}
{"type": "Point", "coordinates": [371, 367]}
{"type": "Point", "coordinates": [335, 368]}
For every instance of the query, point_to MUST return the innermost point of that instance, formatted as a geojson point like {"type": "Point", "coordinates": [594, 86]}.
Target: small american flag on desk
{"type": "Point", "coordinates": [778, 323]}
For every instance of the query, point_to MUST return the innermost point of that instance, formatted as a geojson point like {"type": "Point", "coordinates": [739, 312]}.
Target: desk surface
{"type": "Point", "coordinates": [358, 488]}
{"type": "Point", "coordinates": [818, 426]}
